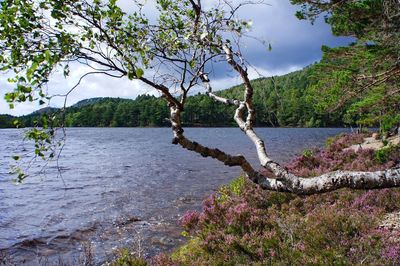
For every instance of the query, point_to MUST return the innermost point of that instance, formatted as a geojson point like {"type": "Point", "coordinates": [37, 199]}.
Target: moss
{"type": "Point", "coordinates": [125, 258]}
{"type": "Point", "coordinates": [191, 249]}
{"type": "Point", "coordinates": [235, 187]}
{"type": "Point", "coordinates": [384, 155]}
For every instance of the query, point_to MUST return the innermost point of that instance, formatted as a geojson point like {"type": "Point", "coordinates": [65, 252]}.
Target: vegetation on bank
{"type": "Point", "coordinates": [244, 225]}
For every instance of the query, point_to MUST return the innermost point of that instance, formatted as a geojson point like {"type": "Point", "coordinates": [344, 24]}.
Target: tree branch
{"type": "Point", "coordinates": [204, 78]}
{"type": "Point", "coordinates": [334, 181]}
{"type": "Point", "coordinates": [287, 182]}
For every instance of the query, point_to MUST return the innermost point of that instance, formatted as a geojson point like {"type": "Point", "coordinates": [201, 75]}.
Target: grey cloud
{"type": "Point", "coordinates": [295, 44]}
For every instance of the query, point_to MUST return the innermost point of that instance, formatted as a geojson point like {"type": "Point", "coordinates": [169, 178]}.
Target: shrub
{"type": "Point", "coordinates": [235, 187]}
{"type": "Point", "coordinates": [125, 258]}
{"type": "Point", "coordinates": [244, 225]}
{"type": "Point", "coordinates": [389, 153]}
{"type": "Point", "coordinates": [336, 157]}
{"type": "Point", "coordinates": [344, 141]}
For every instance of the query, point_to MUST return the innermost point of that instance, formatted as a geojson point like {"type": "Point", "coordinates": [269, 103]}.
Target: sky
{"type": "Point", "coordinates": [295, 44]}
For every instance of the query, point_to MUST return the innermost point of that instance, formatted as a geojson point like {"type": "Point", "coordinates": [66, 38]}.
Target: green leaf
{"type": "Point", "coordinates": [47, 55]}
{"type": "Point", "coordinates": [31, 70]}
{"type": "Point", "coordinates": [192, 63]}
{"type": "Point", "coordinates": [22, 98]}
{"type": "Point", "coordinates": [139, 73]}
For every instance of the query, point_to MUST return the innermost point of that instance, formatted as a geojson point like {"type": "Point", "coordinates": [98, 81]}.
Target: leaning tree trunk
{"type": "Point", "coordinates": [283, 180]}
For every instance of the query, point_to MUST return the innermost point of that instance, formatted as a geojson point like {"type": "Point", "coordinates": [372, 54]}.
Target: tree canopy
{"type": "Point", "coordinates": [172, 53]}
{"type": "Point", "coordinates": [363, 78]}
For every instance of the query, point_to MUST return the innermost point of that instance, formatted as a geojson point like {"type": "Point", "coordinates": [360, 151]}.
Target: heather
{"type": "Point", "coordinates": [337, 156]}
{"type": "Point", "coordinates": [258, 227]}
{"type": "Point", "coordinates": [244, 225]}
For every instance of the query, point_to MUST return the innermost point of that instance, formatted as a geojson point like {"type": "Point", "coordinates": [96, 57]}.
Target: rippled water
{"type": "Point", "coordinates": [122, 187]}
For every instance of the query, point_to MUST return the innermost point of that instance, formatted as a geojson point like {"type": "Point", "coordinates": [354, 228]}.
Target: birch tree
{"type": "Point", "coordinates": [173, 54]}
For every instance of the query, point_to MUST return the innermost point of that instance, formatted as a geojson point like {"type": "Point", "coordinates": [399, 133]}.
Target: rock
{"type": "Point", "coordinates": [122, 221]}
{"type": "Point", "coordinates": [184, 200]}
{"type": "Point", "coordinates": [163, 241]}
{"type": "Point", "coordinates": [375, 144]}
{"type": "Point", "coordinates": [391, 221]}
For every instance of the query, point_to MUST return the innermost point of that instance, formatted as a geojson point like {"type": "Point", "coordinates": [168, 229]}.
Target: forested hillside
{"type": "Point", "coordinates": [279, 101]}
{"type": "Point", "coordinates": [6, 121]}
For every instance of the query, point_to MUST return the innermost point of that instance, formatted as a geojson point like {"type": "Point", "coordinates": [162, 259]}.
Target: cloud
{"type": "Point", "coordinates": [97, 85]}
{"type": "Point", "coordinates": [295, 44]}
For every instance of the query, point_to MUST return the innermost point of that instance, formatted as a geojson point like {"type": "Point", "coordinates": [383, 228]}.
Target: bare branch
{"type": "Point", "coordinates": [215, 97]}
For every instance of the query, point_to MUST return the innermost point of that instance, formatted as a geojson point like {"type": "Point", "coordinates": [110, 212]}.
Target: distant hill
{"type": "Point", "coordinates": [45, 110]}
{"type": "Point", "coordinates": [96, 100]}
{"type": "Point", "coordinates": [279, 101]}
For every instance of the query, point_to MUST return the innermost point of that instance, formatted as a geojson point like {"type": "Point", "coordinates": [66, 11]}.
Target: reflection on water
{"type": "Point", "coordinates": [122, 185]}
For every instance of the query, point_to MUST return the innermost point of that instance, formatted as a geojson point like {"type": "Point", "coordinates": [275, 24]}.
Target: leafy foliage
{"type": "Point", "coordinates": [361, 79]}
{"type": "Point", "coordinates": [172, 53]}
{"type": "Point", "coordinates": [125, 258]}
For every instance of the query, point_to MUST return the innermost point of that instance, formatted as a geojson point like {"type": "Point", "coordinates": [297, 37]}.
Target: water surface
{"type": "Point", "coordinates": [122, 187]}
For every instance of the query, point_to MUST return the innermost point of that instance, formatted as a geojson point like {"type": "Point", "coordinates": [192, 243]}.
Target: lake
{"type": "Point", "coordinates": [122, 187]}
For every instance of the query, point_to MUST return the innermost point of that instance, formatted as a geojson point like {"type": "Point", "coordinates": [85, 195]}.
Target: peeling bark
{"type": "Point", "coordinates": [227, 159]}
{"type": "Point", "coordinates": [334, 181]}
{"type": "Point", "coordinates": [285, 181]}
